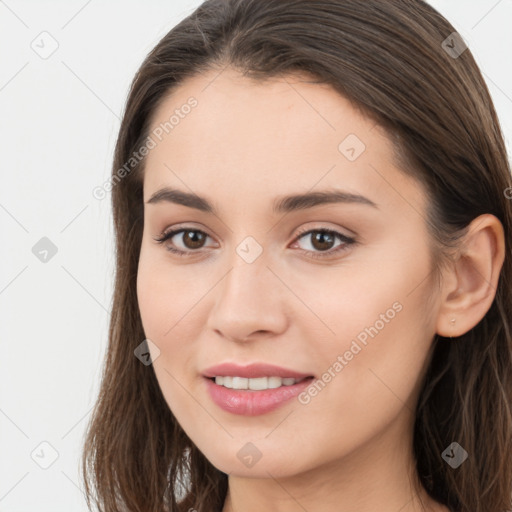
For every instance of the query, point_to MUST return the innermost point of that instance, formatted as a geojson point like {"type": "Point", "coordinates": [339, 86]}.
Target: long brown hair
{"type": "Point", "coordinates": [388, 58]}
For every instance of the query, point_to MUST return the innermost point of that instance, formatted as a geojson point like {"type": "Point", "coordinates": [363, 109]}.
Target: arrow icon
{"type": "Point", "coordinates": [351, 147]}
{"type": "Point", "coordinates": [44, 250]}
{"type": "Point", "coordinates": [249, 455]}
{"type": "Point", "coordinates": [44, 455]}
{"type": "Point", "coordinates": [454, 455]}
{"type": "Point", "coordinates": [147, 352]}
{"type": "Point", "coordinates": [44, 44]}
{"type": "Point", "coordinates": [247, 252]}
{"type": "Point", "coordinates": [454, 45]}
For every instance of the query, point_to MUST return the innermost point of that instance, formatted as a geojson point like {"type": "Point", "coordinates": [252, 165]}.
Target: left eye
{"type": "Point", "coordinates": [323, 237]}
{"type": "Point", "coordinates": [322, 241]}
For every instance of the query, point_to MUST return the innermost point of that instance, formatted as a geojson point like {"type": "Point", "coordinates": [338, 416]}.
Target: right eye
{"type": "Point", "coordinates": [192, 239]}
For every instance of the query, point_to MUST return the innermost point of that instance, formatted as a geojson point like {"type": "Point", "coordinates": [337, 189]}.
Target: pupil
{"type": "Point", "coordinates": [320, 237]}
{"type": "Point", "coordinates": [195, 237]}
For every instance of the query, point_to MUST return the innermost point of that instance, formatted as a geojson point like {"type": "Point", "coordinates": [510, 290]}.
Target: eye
{"type": "Point", "coordinates": [193, 239]}
{"type": "Point", "coordinates": [322, 242]}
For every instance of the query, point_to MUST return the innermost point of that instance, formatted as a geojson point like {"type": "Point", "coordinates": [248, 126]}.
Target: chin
{"type": "Point", "coordinates": [242, 465]}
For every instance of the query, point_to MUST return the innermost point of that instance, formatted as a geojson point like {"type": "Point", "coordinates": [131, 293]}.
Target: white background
{"type": "Point", "coordinates": [59, 122]}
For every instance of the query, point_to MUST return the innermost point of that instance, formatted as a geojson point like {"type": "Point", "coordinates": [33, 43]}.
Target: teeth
{"type": "Point", "coordinates": [256, 384]}
{"type": "Point", "coordinates": [240, 383]}
{"type": "Point", "coordinates": [274, 382]}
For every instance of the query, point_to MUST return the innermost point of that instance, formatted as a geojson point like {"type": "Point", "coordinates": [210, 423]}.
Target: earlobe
{"type": "Point", "coordinates": [470, 287]}
{"type": "Point", "coordinates": [452, 325]}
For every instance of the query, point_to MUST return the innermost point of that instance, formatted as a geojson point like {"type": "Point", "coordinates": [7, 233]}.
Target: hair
{"type": "Point", "coordinates": [387, 59]}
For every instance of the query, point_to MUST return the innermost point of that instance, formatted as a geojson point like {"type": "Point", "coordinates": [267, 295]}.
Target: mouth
{"type": "Point", "coordinates": [234, 397]}
{"type": "Point", "coordinates": [253, 371]}
{"type": "Point", "coordinates": [254, 389]}
{"type": "Point", "coordinates": [255, 383]}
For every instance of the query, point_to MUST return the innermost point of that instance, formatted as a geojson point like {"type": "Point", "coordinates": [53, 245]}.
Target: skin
{"type": "Point", "coordinates": [246, 143]}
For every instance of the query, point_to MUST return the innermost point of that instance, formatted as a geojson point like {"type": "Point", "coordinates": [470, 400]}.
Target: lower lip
{"type": "Point", "coordinates": [253, 403]}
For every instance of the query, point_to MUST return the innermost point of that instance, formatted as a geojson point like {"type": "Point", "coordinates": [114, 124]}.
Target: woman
{"type": "Point", "coordinates": [313, 289]}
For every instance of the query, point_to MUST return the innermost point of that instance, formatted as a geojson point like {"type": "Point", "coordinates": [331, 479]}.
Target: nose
{"type": "Point", "coordinates": [249, 303]}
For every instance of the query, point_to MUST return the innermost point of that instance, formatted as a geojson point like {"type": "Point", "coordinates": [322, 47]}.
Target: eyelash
{"type": "Point", "coordinates": [347, 241]}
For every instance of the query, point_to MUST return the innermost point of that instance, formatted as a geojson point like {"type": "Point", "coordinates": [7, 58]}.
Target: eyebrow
{"type": "Point", "coordinates": [283, 204]}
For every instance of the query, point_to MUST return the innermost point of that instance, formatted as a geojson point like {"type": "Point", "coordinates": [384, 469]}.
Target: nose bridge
{"type": "Point", "coordinates": [248, 260]}
{"type": "Point", "coordinates": [248, 298]}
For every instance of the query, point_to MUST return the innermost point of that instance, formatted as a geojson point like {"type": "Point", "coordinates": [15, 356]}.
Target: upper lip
{"type": "Point", "coordinates": [252, 370]}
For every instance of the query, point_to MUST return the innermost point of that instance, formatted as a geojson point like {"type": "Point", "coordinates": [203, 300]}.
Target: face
{"type": "Point", "coordinates": [336, 295]}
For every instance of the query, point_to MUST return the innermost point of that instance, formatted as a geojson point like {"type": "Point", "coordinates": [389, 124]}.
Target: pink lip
{"type": "Point", "coordinates": [249, 402]}
{"type": "Point", "coordinates": [252, 403]}
{"type": "Point", "coordinates": [252, 371]}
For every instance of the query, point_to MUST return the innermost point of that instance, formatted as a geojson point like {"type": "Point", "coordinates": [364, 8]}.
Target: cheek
{"type": "Point", "coordinates": [170, 309]}
{"type": "Point", "coordinates": [164, 294]}
{"type": "Point", "coordinates": [162, 310]}
{"type": "Point", "coordinates": [374, 316]}
{"type": "Point", "coordinates": [151, 297]}
{"type": "Point", "coordinates": [372, 368]}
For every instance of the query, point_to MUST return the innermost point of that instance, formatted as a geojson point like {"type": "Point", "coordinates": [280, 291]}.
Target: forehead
{"type": "Point", "coordinates": [229, 103]}
{"type": "Point", "coordinates": [255, 139]}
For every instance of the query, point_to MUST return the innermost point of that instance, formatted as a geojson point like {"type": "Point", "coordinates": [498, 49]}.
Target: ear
{"type": "Point", "coordinates": [469, 287]}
